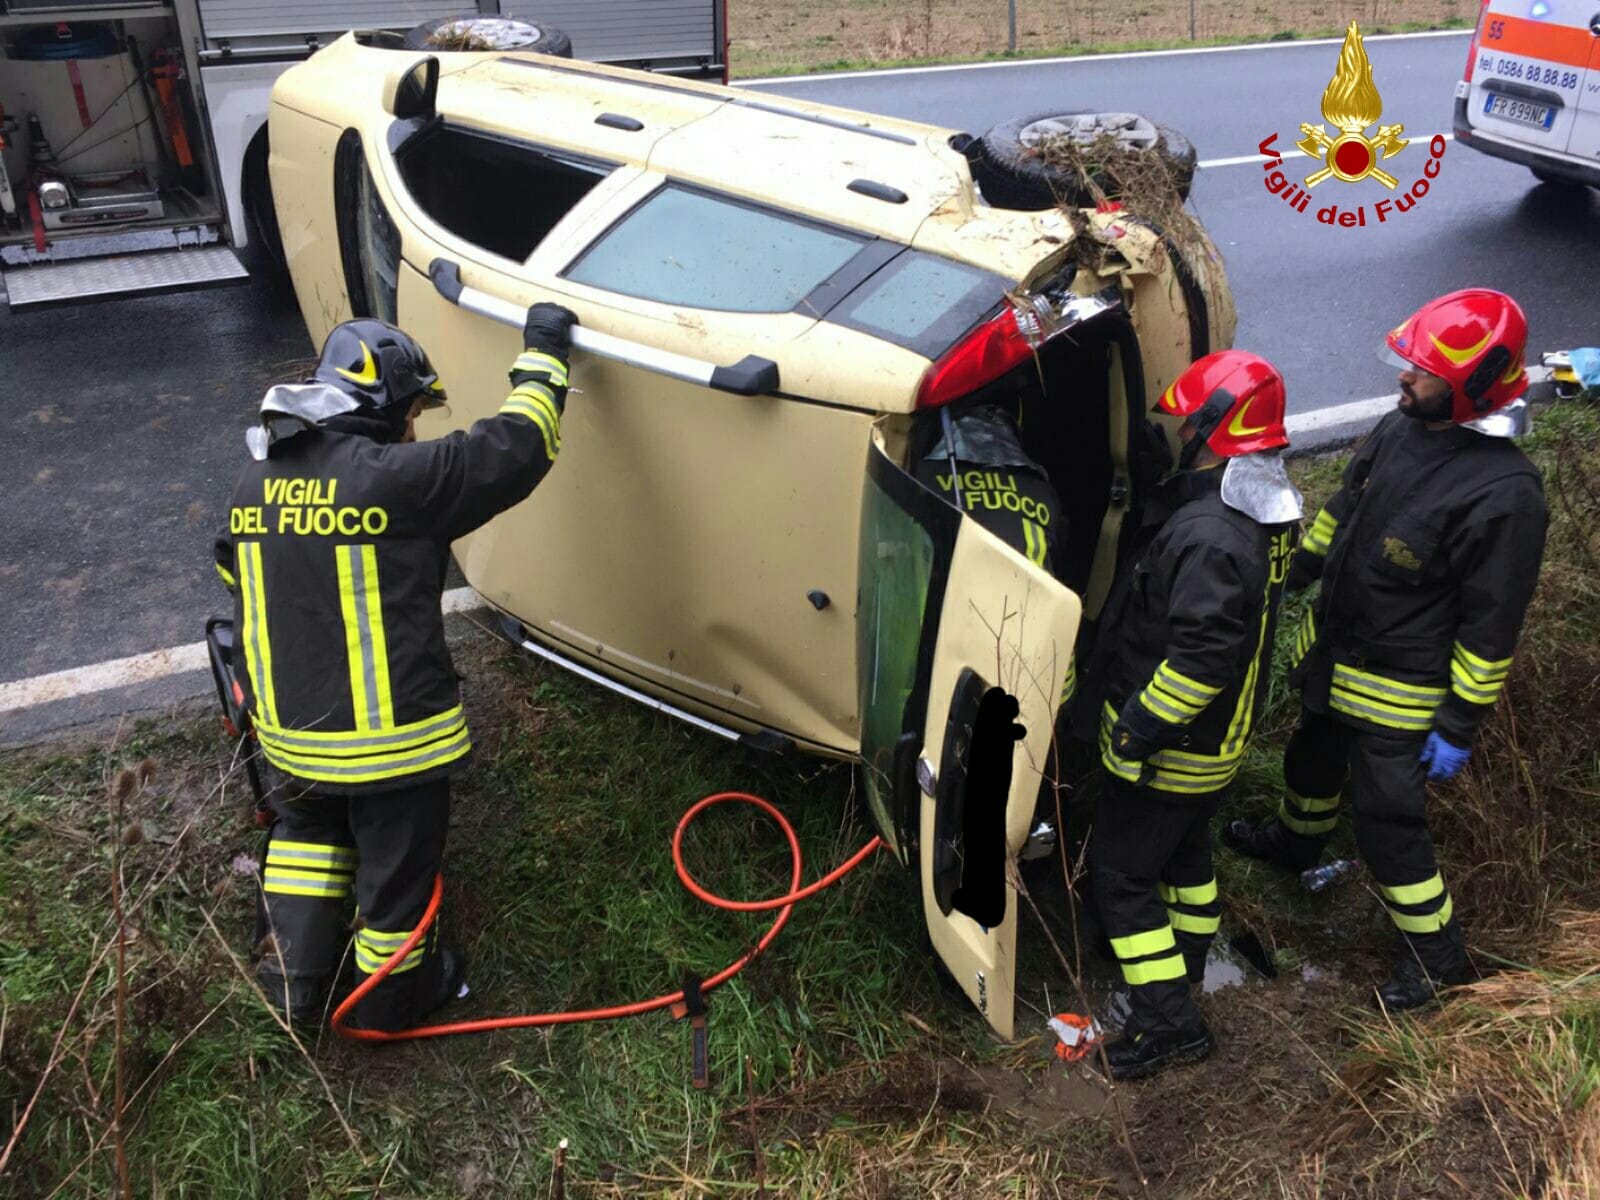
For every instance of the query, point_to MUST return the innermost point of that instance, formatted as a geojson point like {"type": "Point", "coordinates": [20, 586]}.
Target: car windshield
{"type": "Point", "coordinates": [686, 247]}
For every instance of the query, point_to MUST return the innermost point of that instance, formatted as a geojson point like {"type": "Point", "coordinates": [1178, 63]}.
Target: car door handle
{"type": "Point", "coordinates": [750, 376]}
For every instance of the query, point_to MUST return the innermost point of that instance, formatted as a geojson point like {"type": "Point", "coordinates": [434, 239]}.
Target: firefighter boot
{"type": "Point", "coordinates": [1136, 1055]}
{"type": "Point", "coordinates": [1273, 842]}
{"type": "Point", "coordinates": [1427, 963]}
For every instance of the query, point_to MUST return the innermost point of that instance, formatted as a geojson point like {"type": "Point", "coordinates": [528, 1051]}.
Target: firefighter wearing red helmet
{"type": "Point", "coordinates": [1177, 683]}
{"type": "Point", "coordinates": [1428, 556]}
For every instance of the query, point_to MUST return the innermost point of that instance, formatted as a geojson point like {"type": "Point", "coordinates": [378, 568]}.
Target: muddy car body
{"type": "Point", "coordinates": [764, 564]}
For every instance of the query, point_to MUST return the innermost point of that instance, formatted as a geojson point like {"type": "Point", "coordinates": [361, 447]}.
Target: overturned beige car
{"type": "Point", "coordinates": [788, 311]}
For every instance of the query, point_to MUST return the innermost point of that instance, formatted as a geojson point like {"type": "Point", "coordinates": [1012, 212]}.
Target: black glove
{"type": "Point", "coordinates": [1137, 734]}
{"type": "Point", "coordinates": [549, 328]}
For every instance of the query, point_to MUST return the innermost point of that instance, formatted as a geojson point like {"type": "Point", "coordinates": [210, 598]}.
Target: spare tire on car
{"type": "Point", "coordinates": [1012, 174]}
{"type": "Point", "coordinates": [473, 31]}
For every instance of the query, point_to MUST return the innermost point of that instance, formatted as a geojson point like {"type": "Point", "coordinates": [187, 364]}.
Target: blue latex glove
{"type": "Point", "coordinates": [1586, 365]}
{"type": "Point", "coordinates": [1443, 759]}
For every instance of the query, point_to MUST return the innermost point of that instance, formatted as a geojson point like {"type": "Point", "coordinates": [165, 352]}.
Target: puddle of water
{"type": "Point", "coordinates": [1224, 970]}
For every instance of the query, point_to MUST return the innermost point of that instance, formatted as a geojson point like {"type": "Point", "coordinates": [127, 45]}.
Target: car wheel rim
{"type": "Point", "coordinates": [1129, 129]}
{"type": "Point", "coordinates": [489, 33]}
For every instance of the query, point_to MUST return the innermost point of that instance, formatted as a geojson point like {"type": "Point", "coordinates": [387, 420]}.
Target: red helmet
{"type": "Point", "coordinates": [1472, 339]}
{"type": "Point", "coordinates": [1235, 401]}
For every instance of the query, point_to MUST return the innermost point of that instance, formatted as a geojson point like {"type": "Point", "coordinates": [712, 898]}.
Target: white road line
{"type": "Point", "coordinates": [1261, 158]}
{"type": "Point", "coordinates": [1087, 58]}
{"type": "Point", "coordinates": [1355, 412]}
{"type": "Point", "coordinates": [146, 668]}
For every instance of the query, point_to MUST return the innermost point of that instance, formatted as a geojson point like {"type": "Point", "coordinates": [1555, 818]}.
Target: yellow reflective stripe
{"type": "Point", "coordinates": [1378, 714]}
{"type": "Point", "coordinates": [310, 860]}
{"type": "Point", "coordinates": [1469, 689]}
{"type": "Point", "coordinates": [335, 852]}
{"type": "Point", "coordinates": [227, 576]}
{"type": "Point", "coordinates": [1381, 687]}
{"type": "Point", "coordinates": [336, 742]}
{"type": "Point", "coordinates": [343, 879]}
{"type": "Point", "coordinates": [1120, 767]}
{"type": "Point", "coordinates": [1205, 893]}
{"type": "Point", "coordinates": [372, 963]}
{"type": "Point", "coordinates": [373, 768]}
{"type": "Point", "coordinates": [1415, 893]}
{"type": "Point", "coordinates": [1429, 923]}
{"type": "Point", "coordinates": [1481, 669]}
{"type": "Point", "coordinates": [1069, 685]}
{"type": "Point", "coordinates": [1313, 804]}
{"type": "Point", "coordinates": [1305, 637]}
{"type": "Point", "coordinates": [1157, 970]}
{"type": "Point", "coordinates": [1157, 705]}
{"type": "Point", "coordinates": [538, 360]}
{"type": "Point", "coordinates": [1185, 922]}
{"type": "Point", "coordinates": [303, 883]}
{"type": "Point", "coordinates": [303, 889]}
{"type": "Point", "coordinates": [1140, 945]}
{"type": "Point", "coordinates": [257, 643]}
{"type": "Point", "coordinates": [380, 641]}
{"type": "Point", "coordinates": [526, 409]}
{"type": "Point", "coordinates": [1320, 535]}
{"type": "Point", "coordinates": [1184, 686]}
{"type": "Point", "coordinates": [1305, 828]}
{"type": "Point", "coordinates": [379, 941]}
{"type": "Point", "coordinates": [1166, 781]}
{"type": "Point", "coordinates": [1244, 711]}
{"type": "Point", "coordinates": [355, 658]}
{"type": "Point", "coordinates": [533, 390]}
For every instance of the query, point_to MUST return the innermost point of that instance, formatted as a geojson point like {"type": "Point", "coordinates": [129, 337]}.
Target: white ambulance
{"type": "Point", "coordinates": [1531, 94]}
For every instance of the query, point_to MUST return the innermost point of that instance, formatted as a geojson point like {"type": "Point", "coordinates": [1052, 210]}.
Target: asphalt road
{"type": "Point", "coordinates": [124, 420]}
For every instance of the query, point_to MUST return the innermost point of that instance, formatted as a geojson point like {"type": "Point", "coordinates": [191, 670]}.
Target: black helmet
{"type": "Point", "coordinates": [380, 367]}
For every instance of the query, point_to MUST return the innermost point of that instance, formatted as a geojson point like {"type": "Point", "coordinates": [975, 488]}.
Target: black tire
{"type": "Point", "coordinates": [264, 255]}
{"type": "Point", "coordinates": [1011, 175]}
{"type": "Point", "coordinates": [498, 33]}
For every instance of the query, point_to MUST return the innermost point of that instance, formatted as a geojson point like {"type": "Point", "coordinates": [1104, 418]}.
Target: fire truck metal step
{"type": "Point", "coordinates": [122, 275]}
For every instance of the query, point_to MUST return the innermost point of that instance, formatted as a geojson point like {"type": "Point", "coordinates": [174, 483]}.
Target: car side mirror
{"type": "Point", "coordinates": [410, 92]}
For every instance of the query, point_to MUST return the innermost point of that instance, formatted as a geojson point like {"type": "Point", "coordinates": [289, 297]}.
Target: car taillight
{"type": "Point", "coordinates": [1472, 43]}
{"type": "Point", "coordinates": [981, 357]}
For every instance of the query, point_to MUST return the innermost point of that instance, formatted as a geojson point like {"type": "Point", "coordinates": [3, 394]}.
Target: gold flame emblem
{"type": "Point", "coordinates": [1351, 103]}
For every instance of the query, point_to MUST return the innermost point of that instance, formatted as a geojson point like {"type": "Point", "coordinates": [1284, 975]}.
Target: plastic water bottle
{"type": "Point", "coordinates": [1325, 876]}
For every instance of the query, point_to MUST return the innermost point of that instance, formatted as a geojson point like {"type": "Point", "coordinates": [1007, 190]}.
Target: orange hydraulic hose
{"type": "Point", "coordinates": [785, 903]}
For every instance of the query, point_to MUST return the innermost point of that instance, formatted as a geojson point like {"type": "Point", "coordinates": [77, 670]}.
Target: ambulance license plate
{"type": "Point", "coordinates": [1508, 108]}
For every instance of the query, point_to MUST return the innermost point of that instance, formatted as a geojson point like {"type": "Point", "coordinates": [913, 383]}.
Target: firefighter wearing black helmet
{"type": "Point", "coordinates": [338, 540]}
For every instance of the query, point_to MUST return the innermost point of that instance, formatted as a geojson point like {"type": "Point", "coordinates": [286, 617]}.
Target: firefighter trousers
{"type": "Point", "coordinates": [381, 848]}
{"type": "Point", "coordinates": [1386, 784]}
{"type": "Point", "coordinates": [1156, 896]}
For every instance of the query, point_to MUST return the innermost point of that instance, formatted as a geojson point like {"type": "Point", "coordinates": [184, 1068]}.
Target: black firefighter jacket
{"type": "Point", "coordinates": [337, 550]}
{"type": "Point", "coordinates": [1184, 662]}
{"type": "Point", "coordinates": [1428, 556]}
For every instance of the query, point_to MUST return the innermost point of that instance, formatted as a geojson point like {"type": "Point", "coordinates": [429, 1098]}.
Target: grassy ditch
{"type": "Point", "coordinates": [780, 37]}
{"type": "Point", "coordinates": [865, 1078]}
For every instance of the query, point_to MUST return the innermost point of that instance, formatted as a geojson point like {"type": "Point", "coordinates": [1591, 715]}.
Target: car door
{"type": "Point", "coordinates": [687, 538]}
{"type": "Point", "coordinates": [1528, 76]}
{"type": "Point", "coordinates": [963, 646]}
{"type": "Point", "coordinates": [1585, 141]}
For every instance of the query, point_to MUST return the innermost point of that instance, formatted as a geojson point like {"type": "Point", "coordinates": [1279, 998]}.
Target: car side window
{"type": "Point", "coordinates": [369, 243]}
{"type": "Point", "coordinates": [499, 194]}
{"type": "Point", "coordinates": [687, 247]}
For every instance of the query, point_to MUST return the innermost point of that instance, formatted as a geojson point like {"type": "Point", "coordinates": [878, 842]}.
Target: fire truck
{"type": "Point", "coordinates": [133, 139]}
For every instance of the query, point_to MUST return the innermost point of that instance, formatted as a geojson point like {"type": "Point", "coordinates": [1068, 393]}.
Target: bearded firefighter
{"type": "Point", "coordinates": [1179, 679]}
{"type": "Point", "coordinates": [1428, 556]}
{"type": "Point", "coordinates": [339, 538]}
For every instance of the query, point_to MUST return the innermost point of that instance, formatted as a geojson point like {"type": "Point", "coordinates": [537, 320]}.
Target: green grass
{"type": "Point", "coordinates": [768, 69]}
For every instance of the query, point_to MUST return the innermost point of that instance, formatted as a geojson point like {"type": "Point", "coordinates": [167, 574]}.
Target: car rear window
{"type": "Point", "coordinates": [921, 301]}
{"type": "Point", "coordinates": [683, 246]}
